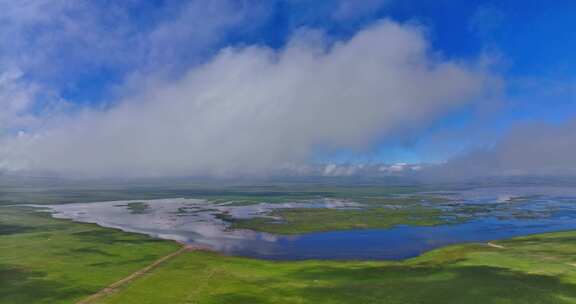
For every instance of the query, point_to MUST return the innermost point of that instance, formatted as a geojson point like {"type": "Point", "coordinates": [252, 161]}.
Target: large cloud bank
{"type": "Point", "coordinates": [251, 109]}
{"type": "Point", "coordinates": [530, 149]}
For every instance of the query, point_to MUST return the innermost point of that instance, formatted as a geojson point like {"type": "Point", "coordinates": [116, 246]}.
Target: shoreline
{"type": "Point", "coordinates": [204, 247]}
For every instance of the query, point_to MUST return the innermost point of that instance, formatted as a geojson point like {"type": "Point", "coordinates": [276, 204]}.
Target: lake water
{"type": "Point", "coordinates": [509, 212]}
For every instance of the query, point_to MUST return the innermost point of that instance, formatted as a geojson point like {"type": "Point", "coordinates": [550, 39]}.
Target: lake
{"type": "Point", "coordinates": [504, 213]}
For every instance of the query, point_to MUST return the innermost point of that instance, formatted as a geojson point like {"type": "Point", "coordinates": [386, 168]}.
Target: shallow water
{"type": "Point", "coordinates": [195, 221]}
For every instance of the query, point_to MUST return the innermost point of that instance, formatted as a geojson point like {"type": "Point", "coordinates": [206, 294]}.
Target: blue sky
{"type": "Point", "coordinates": [534, 39]}
{"type": "Point", "coordinates": [65, 58]}
{"type": "Point", "coordinates": [532, 42]}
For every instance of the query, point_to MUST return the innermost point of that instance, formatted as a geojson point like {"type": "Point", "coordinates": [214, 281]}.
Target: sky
{"type": "Point", "coordinates": [241, 87]}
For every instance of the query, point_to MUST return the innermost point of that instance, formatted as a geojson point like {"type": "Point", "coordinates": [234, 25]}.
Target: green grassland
{"type": "Point", "coordinates": [50, 191]}
{"type": "Point", "coordinates": [44, 260]}
{"type": "Point", "coordinates": [378, 211]}
{"type": "Point", "coordinates": [535, 269]}
{"type": "Point", "coordinates": [303, 220]}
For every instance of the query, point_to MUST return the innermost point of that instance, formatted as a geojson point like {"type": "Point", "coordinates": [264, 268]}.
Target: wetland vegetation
{"type": "Point", "coordinates": [48, 260]}
{"type": "Point", "coordinates": [305, 220]}
{"type": "Point", "coordinates": [535, 269]}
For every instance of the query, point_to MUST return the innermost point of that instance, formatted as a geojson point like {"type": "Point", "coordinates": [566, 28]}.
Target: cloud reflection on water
{"type": "Point", "coordinates": [486, 213]}
{"type": "Point", "coordinates": [192, 221]}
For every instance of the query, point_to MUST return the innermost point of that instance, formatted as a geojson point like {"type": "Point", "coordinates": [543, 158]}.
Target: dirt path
{"type": "Point", "coordinates": [112, 288]}
{"type": "Point", "coordinates": [495, 245]}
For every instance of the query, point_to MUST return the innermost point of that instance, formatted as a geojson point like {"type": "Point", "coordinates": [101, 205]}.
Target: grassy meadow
{"type": "Point", "coordinates": [45, 260]}
{"type": "Point", "coordinates": [535, 269]}
{"type": "Point", "coordinates": [304, 220]}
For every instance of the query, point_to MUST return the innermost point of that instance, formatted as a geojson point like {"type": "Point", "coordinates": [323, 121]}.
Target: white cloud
{"type": "Point", "coordinates": [530, 149]}
{"type": "Point", "coordinates": [16, 96]}
{"type": "Point", "coordinates": [252, 108]}
{"type": "Point", "coordinates": [53, 44]}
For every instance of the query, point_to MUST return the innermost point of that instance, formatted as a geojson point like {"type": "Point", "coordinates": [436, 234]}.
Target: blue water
{"type": "Point", "coordinates": [494, 216]}
{"type": "Point", "coordinates": [396, 243]}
